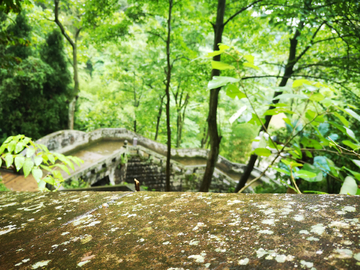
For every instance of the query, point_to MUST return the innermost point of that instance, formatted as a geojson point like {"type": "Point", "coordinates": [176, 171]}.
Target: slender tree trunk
{"type": "Point", "coordinates": [73, 43]}
{"type": "Point", "coordinates": [72, 105]}
{"type": "Point", "coordinates": [204, 138]}
{"type": "Point", "coordinates": [178, 124]}
{"type": "Point", "coordinates": [159, 117]}
{"type": "Point", "coordinates": [215, 139]}
{"type": "Point", "coordinates": [135, 103]}
{"type": "Point", "coordinates": [181, 109]}
{"type": "Point", "coordinates": [292, 60]}
{"type": "Point", "coordinates": [167, 91]}
{"type": "Point", "coordinates": [181, 120]}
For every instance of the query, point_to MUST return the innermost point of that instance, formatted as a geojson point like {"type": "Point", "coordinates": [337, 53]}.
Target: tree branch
{"type": "Point", "coordinates": [156, 34]}
{"type": "Point", "coordinates": [240, 11]}
{"type": "Point", "coordinates": [310, 43]}
{"type": "Point", "coordinates": [56, 11]}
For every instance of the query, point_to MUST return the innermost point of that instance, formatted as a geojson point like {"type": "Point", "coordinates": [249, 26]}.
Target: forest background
{"type": "Point", "coordinates": [154, 68]}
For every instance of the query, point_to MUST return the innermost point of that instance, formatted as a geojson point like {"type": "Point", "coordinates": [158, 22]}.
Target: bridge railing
{"type": "Point", "coordinates": [68, 140]}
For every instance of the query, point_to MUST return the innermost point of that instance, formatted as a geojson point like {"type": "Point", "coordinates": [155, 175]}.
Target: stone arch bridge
{"type": "Point", "coordinates": [102, 150]}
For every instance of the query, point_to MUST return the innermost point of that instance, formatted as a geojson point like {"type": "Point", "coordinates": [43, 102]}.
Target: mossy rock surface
{"type": "Point", "coordinates": [155, 230]}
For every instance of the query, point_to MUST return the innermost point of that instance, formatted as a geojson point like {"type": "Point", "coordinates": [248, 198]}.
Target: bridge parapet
{"type": "Point", "coordinates": [68, 140]}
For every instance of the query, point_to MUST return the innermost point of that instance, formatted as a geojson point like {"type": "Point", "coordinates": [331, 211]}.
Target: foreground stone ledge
{"type": "Point", "coordinates": [154, 230]}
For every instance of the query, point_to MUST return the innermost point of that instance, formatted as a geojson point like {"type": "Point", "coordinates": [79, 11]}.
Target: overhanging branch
{"type": "Point", "coordinates": [240, 11]}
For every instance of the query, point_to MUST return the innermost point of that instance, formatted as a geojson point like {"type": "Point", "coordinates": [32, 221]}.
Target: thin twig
{"type": "Point", "coordinates": [345, 149]}
{"type": "Point", "coordinates": [293, 180]}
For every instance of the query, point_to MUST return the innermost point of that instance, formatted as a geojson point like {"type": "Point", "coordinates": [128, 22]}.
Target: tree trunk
{"type": "Point", "coordinates": [178, 124]}
{"type": "Point", "coordinates": [292, 60]}
{"type": "Point", "coordinates": [215, 139]}
{"type": "Point", "coordinates": [72, 105]}
{"type": "Point", "coordinates": [167, 91]}
{"type": "Point", "coordinates": [135, 103]}
{"type": "Point", "coordinates": [76, 84]}
{"type": "Point", "coordinates": [159, 117]}
{"type": "Point", "coordinates": [180, 118]}
{"type": "Point", "coordinates": [204, 138]}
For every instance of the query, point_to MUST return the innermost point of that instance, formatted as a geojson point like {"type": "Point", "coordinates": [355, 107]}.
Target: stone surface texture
{"type": "Point", "coordinates": [155, 230]}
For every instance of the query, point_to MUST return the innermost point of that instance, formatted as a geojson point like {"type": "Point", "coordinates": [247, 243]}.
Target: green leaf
{"type": "Point", "coordinates": [221, 66]}
{"type": "Point", "coordinates": [215, 53]}
{"type": "Point", "coordinates": [342, 119]}
{"type": "Point", "coordinates": [351, 134]}
{"type": "Point", "coordinates": [48, 179]}
{"type": "Point", "coordinates": [219, 81]}
{"type": "Point", "coordinates": [349, 186]}
{"type": "Point", "coordinates": [357, 162]}
{"type": "Point", "coordinates": [288, 121]}
{"type": "Point", "coordinates": [298, 83]}
{"type": "Point", "coordinates": [9, 139]}
{"type": "Point", "coordinates": [249, 58]}
{"type": "Point", "coordinates": [316, 97]}
{"type": "Point", "coordinates": [233, 92]}
{"type": "Point", "coordinates": [314, 192]}
{"type": "Point", "coordinates": [305, 174]}
{"type": "Point", "coordinates": [19, 147]}
{"type": "Point", "coordinates": [223, 47]}
{"type": "Point", "coordinates": [38, 160]}
{"type": "Point", "coordinates": [262, 152]}
{"type": "Point", "coordinates": [61, 157]}
{"type": "Point", "coordinates": [286, 162]}
{"type": "Point", "coordinates": [251, 66]}
{"type": "Point", "coordinates": [319, 176]}
{"type": "Point", "coordinates": [295, 164]}
{"type": "Point", "coordinates": [355, 174]}
{"type": "Point", "coordinates": [63, 167]}
{"type": "Point", "coordinates": [277, 111]}
{"type": "Point", "coordinates": [272, 144]}
{"type": "Point", "coordinates": [333, 169]}
{"type": "Point", "coordinates": [353, 114]}
{"type": "Point", "coordinates": [9, 160]}
{"type": "Point", "coordinates": [76, 160]}
{"type": "Point", "coordinates": [19, 162]}
{"type": "Point", "coordinates": [43, 147]}
{"type": "Point", "coordinates": [286, 96]}
{"type": "Point", "coordinates": [310, 115]}
{"type": "Point", "coordinates": [352, 145]}
{"type": "Point", "coordinates": [11, 146]}
{"type": "Point", "coordinates": [281, 170]}
{"type": "Point", "coordinates": [46, 168]}
{"type": "Point", "coordinates": [341, 128]}
{"type": "Point", "coordinates": [2, 148]}
{"type": "Point", "coordinates": [69, 163]}
{"type": "Point", "coordinates": [327, 102]}
{"type": "Point", "coordinates": [295, 154]}
{"type": "Point", "coordinates": [314, 143]}
{"type": "Point", "coordinates": [57, 175]}
{"type": "Point", "coordinates": [51, 158]}
{"type": "Point", "coordinates": [26, 140]}
{"type": "Point", "coordinates": [255, 120]}
{"type": "Point", "coordinates": [28, 165]}
{"type": "Point", "coordinates": [41, 185]}
{"type": "Point", "coordinates": [37, 173]}
{"type": "Point", "coordinates": [30, 151]}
